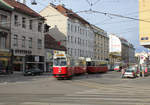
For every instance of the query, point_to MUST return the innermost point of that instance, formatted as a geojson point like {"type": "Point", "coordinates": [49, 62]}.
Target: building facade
{"type": "Point", "coordinates": [144, 34]}
{"type": "Point", "coordinates": [101, 44]}
{"type": "Point", "coordinates": [71, 30]}
{"type": "Point", "coordinates": [5, 32]}
{"type": "Point", "coordinates": [121, 50]}
{"type": "Point", "coordinates": [27, 36]}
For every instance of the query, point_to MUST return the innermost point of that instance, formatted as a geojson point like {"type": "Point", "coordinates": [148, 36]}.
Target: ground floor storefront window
{"type": "Point", "coordinates": [5, 62]}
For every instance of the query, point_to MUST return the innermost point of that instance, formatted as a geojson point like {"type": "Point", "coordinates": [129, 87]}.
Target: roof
{"type": "Point", "coordinates": [51, 43]}
{"type": "Point", "coordinates": [70, 13]}
{"type": "Point", "coordinates": [5, 6]}
{"type": "Point", "coordinates": [20, 7]}
{"type": "Point", "coordinates": [123, 39]}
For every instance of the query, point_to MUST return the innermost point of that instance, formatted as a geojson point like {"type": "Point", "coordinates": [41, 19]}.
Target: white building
{"type": "Point", "coordinates": [27, 37]}
{"type": "Point", "coordinates": [73, 31]}
{"type": "Point", "coordinates": [121, 50]}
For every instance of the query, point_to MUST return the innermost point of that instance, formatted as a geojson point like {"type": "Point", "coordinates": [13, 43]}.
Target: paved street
{"type": "Point", "coordinates": [97, 89]}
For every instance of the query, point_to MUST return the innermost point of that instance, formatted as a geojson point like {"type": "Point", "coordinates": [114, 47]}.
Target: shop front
{"type": "Point", "coordinates": [33, 61]}
{"type": "Point", "coordinates": [5, 62]}
{"type": "Point", "coordinates": [18, 63]}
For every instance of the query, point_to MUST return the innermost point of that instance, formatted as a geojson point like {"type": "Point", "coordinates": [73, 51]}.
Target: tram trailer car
{"type": "Point", "coordinates": [97, 66]}
{"type": "Point", "coordinates": [80, 66]}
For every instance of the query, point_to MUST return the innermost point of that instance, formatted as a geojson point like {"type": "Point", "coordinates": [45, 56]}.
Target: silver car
{"type": "Point", "coordinates": [130, 72]}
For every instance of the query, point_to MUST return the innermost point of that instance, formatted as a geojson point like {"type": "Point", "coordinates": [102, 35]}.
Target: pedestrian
{"type": "Point", "coordinates": [122, 72]}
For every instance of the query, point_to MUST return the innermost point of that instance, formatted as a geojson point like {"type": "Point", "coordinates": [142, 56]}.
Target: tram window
{"type": "Point", "coordinates": [88, 63]}
{"type": "Point", "coordinates": [63, 63]}
{"type": "Point", "coordinates": [60, 62]}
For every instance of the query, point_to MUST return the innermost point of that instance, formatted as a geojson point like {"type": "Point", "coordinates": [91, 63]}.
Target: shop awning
{"type": "Point", "coordinates": [5, 5]}
{"type": "Point", "coordinates": [4, 59]}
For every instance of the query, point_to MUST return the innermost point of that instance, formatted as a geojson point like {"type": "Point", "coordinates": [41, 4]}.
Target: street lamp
{"type": "Point", "coordinates": [33, 2]}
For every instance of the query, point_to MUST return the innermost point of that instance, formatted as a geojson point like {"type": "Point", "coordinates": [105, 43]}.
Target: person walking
{"type": "Point", "coordinates": [122, 72]}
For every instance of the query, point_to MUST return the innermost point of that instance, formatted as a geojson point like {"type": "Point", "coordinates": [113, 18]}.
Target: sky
{"type": "Point", "coordinates": [126, 28]}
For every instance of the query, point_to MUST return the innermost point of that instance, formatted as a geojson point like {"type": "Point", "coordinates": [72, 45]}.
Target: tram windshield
{"type": "Point", "coordinates": [60, 62]}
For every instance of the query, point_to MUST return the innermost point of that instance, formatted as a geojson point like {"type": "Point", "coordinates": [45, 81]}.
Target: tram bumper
{"type": "Point", "coordinates": [60, 75]}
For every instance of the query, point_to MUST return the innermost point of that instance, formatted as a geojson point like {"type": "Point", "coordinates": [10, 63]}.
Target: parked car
{"type": "Point", "coordinates": [33, 71]}
{"type": "Point", "coordinates": [131, 72]}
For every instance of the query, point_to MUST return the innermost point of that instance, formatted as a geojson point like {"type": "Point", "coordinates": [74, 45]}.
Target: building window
{"type": "Point", "coordinates": [144, 38]}
{"type": "Point", "coordinates": [68, 27]}
{"type": "Point", "coordinates": [16, 20]}
{"type": "Point", "coordinates": [71, 28]}
{"type": "Point", "coordinates": [2, 42]}
{"type": "Point", "coordinates": [30, 42]}
{"type": "Point", "coordinates": [3, 20]}
{"type": "Point", "coordinates": [68, 38]}
{"type": "Point", "coordinates": [30, 24]}
{"type": "Point", "coordinates": [23, 22]}
{"type": "Point", "coordinates": [15, 40]}
{"type": "Point", "coordinates": [71, 39]}
{"type": "Point", "coordinates": [23, 41]}
{"type": "Point", "coordinates": [80, 31]}
{"type": "Point", "coordinates": [39, 43]}
{"type": "Point", "coordinates": [39, 27]}
{"type": "Point", "coordinates": [75, 40]}
{"type": "Point", "coordinates": [68, 51]}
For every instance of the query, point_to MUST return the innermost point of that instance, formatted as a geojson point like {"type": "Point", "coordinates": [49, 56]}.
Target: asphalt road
{"type": "Point", "coordinates": [94, 89]}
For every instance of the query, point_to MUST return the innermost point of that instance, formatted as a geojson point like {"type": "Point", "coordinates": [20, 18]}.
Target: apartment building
{"type": "Point", "coordinates": [71, 30]}
{"type": "Point", "coordinates": [120, 50]}
{"type": "Point", "coordinates": [101, 41]}
{"type": "Point", "coordinates": [27, 37]}
{"type": "Point", "coordinates": [5, 51]}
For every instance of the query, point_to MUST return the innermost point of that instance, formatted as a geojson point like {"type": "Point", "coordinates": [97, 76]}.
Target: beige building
{"type": "Point", "coordinates": [27, 37]}
{"type": "Point", "coordinates": [71, 30]}
{"type": "Point", "coordinates": [101, 44]}
{"type": "Point", "coordinates": [5, 30]}
{"type": "Point", "coordinates": [144, 31]}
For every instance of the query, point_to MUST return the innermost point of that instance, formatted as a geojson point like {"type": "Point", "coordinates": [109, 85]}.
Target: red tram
{"type": "Point", "coordinates": [96, 66]}
{"type": "Point", "coordinates": [62, 65]}
{"type": "Point", "coordinates": [80, 66]}
{"type": "Point", "coordinates": [66, 67]}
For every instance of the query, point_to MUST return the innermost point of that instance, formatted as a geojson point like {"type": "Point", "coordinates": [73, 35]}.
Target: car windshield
{"type": "Point", "coordinates": [130, 69]}
{"type": "Point", "coordinates": [60, 62]}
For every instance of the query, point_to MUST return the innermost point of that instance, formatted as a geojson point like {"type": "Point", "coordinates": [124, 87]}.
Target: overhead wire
{"type": "Point", "coordinates": [89, 2]}
{"type": "Point", "coordinates": [96, 2]}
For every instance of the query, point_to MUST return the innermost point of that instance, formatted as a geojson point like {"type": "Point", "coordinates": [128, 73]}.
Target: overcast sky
{"type": "Point", "coordinates": [129, 29]}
